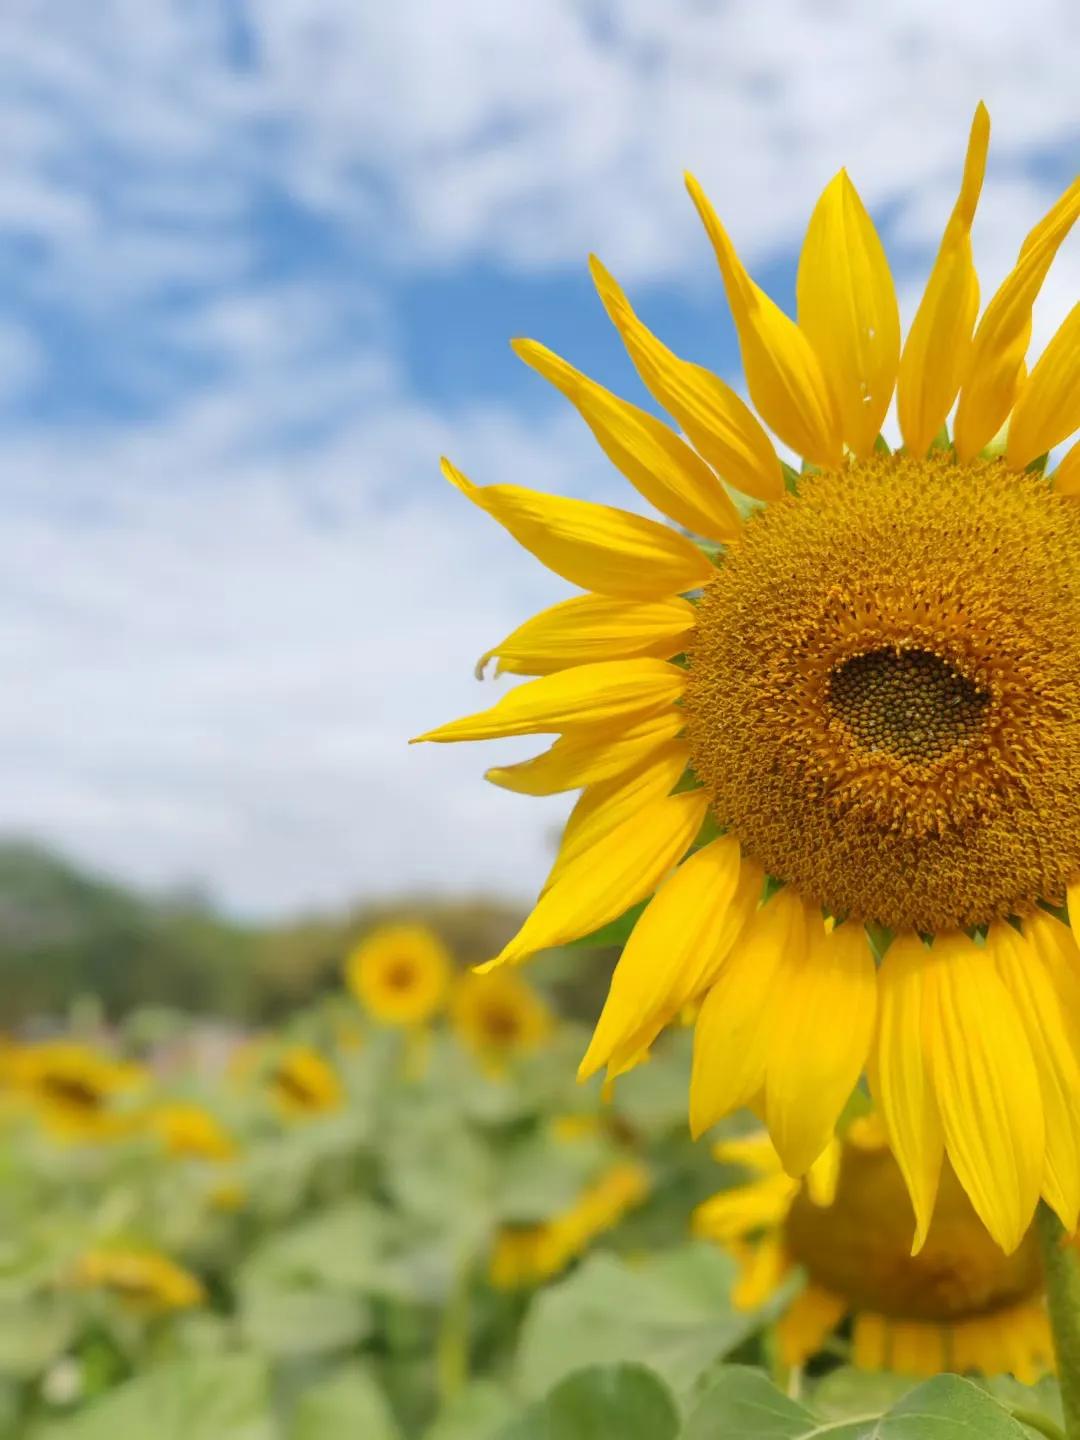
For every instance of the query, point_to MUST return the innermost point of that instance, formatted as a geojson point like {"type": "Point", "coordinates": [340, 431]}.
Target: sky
{"type": "Point", "coordinates": [259, 264]}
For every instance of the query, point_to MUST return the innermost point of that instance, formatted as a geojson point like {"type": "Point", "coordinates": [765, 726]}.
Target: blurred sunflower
{"type": "Point", "coordinates": [191, 1131]}
{"type": "Point", "coordinates": [144, 1280]}
{"type": "Point", "coordinates": [76, 1092]}
{"type": "Point", "coordinates": [400, 974]}
{"type": "Point", "coordinates": [871, 686]}
{"type": "Point", "coordinates": [303, 1084]}
{"type": "Point", "coordinates": [498, 1016]}
{"type": "Point", "coordinates": [526, 1255]}
{"type": "Point", "coordinates": [960, 1304]}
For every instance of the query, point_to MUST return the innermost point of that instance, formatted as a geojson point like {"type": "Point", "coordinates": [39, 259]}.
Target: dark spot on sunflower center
{"type": "Point", "coordinates": [908, 703]}
{"type": "Point", "coordinates": [501, 1025]}
{"type": "Point", "coordinates": [70, 1091]}
{"type": "Point", "coordinates": [400, 975]}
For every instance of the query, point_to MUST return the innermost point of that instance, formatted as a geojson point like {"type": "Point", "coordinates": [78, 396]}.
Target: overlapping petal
{"type": "Point", "coordinates": [847, 307]}
{"type": "Point", "coordinates": [1048, 408]}
{"type": "Point", "coordinates": [720, 426]}
{"type": "Point", "coordinates": [625, 866]}
{"type": "Point", "coordinates": [825, 1002]}
{"type": "Point", "coordinates": [1067, 474]}
{"type": "Point", "coordinates": [657, 463]}
{"type": "Point", "coordinates": [900, 1077]}
{"type": "Point", "coordinates": [993, 374]}
{"type": "Point", "coordinates": [783, 373]}
{"type": "Point", "coordinates": [1051, 1022]}
{"type": "Point", "coordinates": [935, 355]}
{"type": "Point", "coordinates": [609, 692]}
{"type": "Point", "coordinates": [597, 547]}
{"type": "Point", "coordinates": [589, 757]}
{"type": "Point", "coordinates": [588, 628]}
{"type": "Point", "coordinates": [734, 1030]}
{"type": "Point", "coordinates": [674, 951]}
{"type": "Point", "coordinates": [987, 1087]}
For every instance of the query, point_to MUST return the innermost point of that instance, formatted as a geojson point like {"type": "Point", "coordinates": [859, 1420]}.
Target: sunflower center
{"type": "Point", "coordinates": [68, 1090]}
{"type": "Point", "coordinates": [400, 975]}
{"type": "Point", "coordinates": [883, 697]}
{"type": "Point", "coordinates": [860, 1248]}
{"type": "Point", "coordinates": [907, 703]}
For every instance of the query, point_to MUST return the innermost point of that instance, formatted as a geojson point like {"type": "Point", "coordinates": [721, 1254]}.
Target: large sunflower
{"type": "Point", "coordinates": [958, 1305]}
{"type": "Point", "coordinates": [850, 719]}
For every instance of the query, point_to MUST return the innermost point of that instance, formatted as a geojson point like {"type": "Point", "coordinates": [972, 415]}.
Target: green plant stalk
{"type": "Point", "coordinates": [1062, 1273]}
{"type": "Point", "coordinates": [452, 1344]}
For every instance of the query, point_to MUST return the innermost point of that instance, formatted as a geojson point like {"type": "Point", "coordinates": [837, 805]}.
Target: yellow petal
{"type": "Point", "coordinates": [734, 1030]}
{"type": "Point", "coordinates": [1067, 475]}
{"type": "Point", "coordinates": [783, 374]}
{"type": "Point", "coordinates": [824, 1174]}
{"type": "Point", "coordinates": [603, 694]}
{"type": "Point", "coordinates": [936, 353]}
{"type": "Point", "coordinates": [720, 426]}
{"type": "Point", "coordinates": [810, 1320]}
{"type": "Point", "coordinates": [605, 806]}
{"type": "Point", "coordinates": [1048, 408]}
{"type": "Point", "coordinates": [674, 951]}
{"type": "Point", "coordinates": [736, 1212]}
{"type": "Point", "coordinates": [589, 757]}
{"type": "Point", "coordinates": [987, 1088]}
{"type": "Point", "coordinates": [763, 1264]}
{"type": "Point", "coordinates": [916, 1347]}
{"type": "Point", "coordinates": [825, 999]}
{"type": "Point", "coordinates": [847, 307]}
{"type": "Point", "coordinates": [754, 1152]}
{"type": "Point", "coordinates": [590, 628]}
{"type": "Point", "coordinates": [1053, 1033]}
{"type": "Point", "coordinates": [900, 1078]}
{"type": "Point", "coordinates": [868, 1347]}
{"type": "Point", "coordinates": [1074, 909]}
{"type": "Point", "coordinates": [617, 872]}
{"type": "Point", "coordinates": [657, 463]}
{"type": "Point", "coordinates": [993, 375]}
{"type": "Point", "coordinates": [594, 546]}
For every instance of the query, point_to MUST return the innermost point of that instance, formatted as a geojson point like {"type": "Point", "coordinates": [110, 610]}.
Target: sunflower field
{"type": "Point", "coordinates": [398, 1215]}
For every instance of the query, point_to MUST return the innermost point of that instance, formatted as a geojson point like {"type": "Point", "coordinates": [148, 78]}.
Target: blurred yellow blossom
{"type": "Point", "coordinates": [74, 1090]}
{"type": "Point", "coordinates": [145, 1280]}
{"type": "Point", "coordinates": [498, 1015]}
{"type": "Point", "coordinates": [303, 1083]}
{"type": "Point", "coordinates": [400, 974]}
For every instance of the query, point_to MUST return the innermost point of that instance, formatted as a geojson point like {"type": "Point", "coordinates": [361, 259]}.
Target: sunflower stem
{"type": "Point", "coordinates": [1062, 1274]}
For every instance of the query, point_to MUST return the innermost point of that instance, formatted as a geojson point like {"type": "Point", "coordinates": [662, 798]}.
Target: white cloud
{"type": "Point", "coordinates": [227, 616]}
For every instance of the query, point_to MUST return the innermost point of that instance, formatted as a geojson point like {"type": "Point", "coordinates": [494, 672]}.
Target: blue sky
{"type": "Point", "coordinates": [259, 266]}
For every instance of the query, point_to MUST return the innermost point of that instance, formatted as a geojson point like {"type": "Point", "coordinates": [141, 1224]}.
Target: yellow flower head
{"type": "Point", "coordinates": [498, 1015]}
{"type": "Point", "coordinates": [959, 1304]}
{"type": "Point", "coordinates": [861, 702]}
{"type": "Point", "coordinates": [144, 1280]}
{"type": "Point", "coordinates": [400, 974]}
{"type": "Point", "coordinates": [303, 1084]}
{"type": "Point", "coordinates": [76, 1092]}
{"type": "Point", "coordinates": [526, 1255]}
{"type": "Point", "coordinates": [191, 1131]}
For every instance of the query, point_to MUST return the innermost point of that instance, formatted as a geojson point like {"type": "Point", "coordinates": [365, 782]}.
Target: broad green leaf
{"type": "Point", "coordinates": [480, 1412]}
{"type": "Point", "coordinates": [671, 1311]}
{"type": "Point", "coordinates": [847, 1392]}
{"type": "Point", "coordinates": [349, 1404]}
{"type": "Point", "coordinates": [601, 1403]}
{"type": "Point", "coordinates": [744, 1404]}
{"type": "Point", "coordinates": [281, 1322]}
{"type": "Point", "coordinates": [203, 1398]}
{"type": "Point", "coordinates": [948, 1408]}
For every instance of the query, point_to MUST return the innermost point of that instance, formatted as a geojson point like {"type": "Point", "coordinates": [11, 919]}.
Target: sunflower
{"type": "Point", "coordinates": [400, 974]}
{"type": "Point", "coordinates": [838, 729]}
{"type": "Point", "coordinates": [960, 1304]}
{"type": "Point", "coordinates": [76, 1092]}
{"type": "Point", "coordinates": [497, 1016]}
{"type": "Point", "coordinates": [303, 1084]}
{"type": "Point", "coordinates": [526, 1255]}
{"type": "Point", "coordinates": [144, 1280]}
{"type": "Point", "coordinates": [191, 1131]}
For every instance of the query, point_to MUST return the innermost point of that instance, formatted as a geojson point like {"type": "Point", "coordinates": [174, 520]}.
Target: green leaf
{"type": "Point", "coordinates": [204, 1398]}
{"type": "Point", "coordinates": [480, 1412]}
{"type": "Point", "coordinates": [349, 1404]}
{"type": "Point", "coordinates": [845, 1392]}
{"type": "Point", "coordinates": [624, 1401]}
{"type": "Point", "coordinates": [743, 1404]}
{"type": "Point", "coordinates": [671, 1311]}
{"type": "Point", "coordinates": [302, 1322]}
